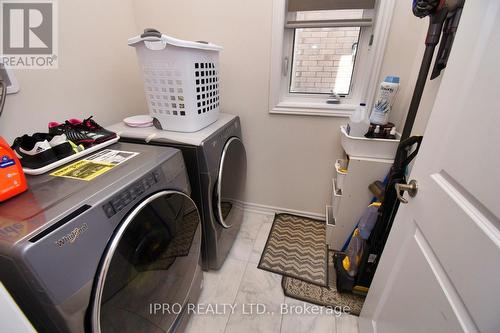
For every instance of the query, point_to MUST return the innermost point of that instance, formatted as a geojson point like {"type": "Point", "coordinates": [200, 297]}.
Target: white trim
{"type": "Point", "coordinates": [279, 10]}
{"type": "Point", "coordinates": [311, 112]}
{"type": "Point", "coordinates": [271, 210]}
{"type": "Point", "coordinates": [382, 26]}
{"type": "Point", "coordinates": [306, 107]}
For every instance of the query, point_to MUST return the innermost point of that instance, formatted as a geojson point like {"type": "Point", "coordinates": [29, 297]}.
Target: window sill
{"type": "Point", "coordinates": [313, 109]}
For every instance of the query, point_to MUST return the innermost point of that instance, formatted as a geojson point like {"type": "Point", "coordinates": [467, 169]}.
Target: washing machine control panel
{"type": "Point", "coordinates": [130, 194]}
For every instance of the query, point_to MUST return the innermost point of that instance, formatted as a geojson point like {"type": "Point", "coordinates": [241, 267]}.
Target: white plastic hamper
{"type": "Point", "coordinates": [181, 80]}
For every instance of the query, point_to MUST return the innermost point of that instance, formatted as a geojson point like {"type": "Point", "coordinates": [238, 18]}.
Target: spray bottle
{"type": "Point", "coordinates": [12, 179]}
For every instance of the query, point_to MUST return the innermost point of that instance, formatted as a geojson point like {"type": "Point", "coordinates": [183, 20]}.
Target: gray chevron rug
{"type": "Point", "coordinates": [296, 248]}
{"type": "Point", "coordinates": [326, 296]}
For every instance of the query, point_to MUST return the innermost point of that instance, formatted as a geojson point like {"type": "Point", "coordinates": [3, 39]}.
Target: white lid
{"type": "Point", "coordinates": [151, 35]}
{"type": "Point", "coordinates": [138, 120]}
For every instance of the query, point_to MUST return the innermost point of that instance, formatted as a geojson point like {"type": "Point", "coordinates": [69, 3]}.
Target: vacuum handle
{"type": "Point", "coordinates": [402, 157]}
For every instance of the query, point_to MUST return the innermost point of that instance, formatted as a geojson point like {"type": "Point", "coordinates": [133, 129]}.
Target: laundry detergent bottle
{"type": "Point", "coordinates": [12, 179]}
{"type": "Point", "coordinates": [359, 122]}
{"type": "Point", "coordinates": [386, 96]}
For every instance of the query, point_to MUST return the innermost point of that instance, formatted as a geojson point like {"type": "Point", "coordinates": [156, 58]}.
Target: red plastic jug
{"type": "Point", "coordinates": [12, 179]}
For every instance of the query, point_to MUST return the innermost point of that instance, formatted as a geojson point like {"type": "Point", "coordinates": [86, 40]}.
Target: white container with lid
{"type": "Point", "coordinates": [181, 80]}
{"type": "Point", "coordinates": [367, 147]}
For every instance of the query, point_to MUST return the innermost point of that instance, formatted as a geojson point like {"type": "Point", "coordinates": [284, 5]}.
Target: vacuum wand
{"type": "Point", "coordinates": [432, 39]}
{"type": "Point", "coordinates": [419, 90]}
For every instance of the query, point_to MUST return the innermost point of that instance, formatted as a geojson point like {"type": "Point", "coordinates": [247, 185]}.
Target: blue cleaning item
{"type": "Point", "coordinates": [348, 240]}
{"type": "Point", "coordinates": [392, 79]}
{"type": "Point", "coordinates": [356, 246]}
{"type": "Point", "coordinates": [367, 221]}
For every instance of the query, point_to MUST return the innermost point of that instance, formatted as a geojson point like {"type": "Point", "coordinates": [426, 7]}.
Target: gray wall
{"type": "Point", "coordinates": [97, 71]}
{"type": "Point", "coordinates": [290, 157]}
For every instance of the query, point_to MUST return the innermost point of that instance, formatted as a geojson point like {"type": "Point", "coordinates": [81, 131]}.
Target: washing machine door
{"type": "Point", "coordinates": [231, 183]}
{"type": "Point", "coordinates": [149, 263]}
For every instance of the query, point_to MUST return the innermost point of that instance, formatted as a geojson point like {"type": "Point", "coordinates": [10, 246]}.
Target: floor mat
{"type": "Point", "coordinates": [296, 248]}
{"type": "Point", "coordinates": [327, 296]}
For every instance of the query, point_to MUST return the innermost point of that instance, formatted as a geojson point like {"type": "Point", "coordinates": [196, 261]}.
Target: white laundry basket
{"type": "Point", "coordinates": [181, 80]}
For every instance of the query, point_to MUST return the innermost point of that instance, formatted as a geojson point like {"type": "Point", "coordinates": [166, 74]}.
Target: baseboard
{"type": "Point", "coordinates": [271, 210]}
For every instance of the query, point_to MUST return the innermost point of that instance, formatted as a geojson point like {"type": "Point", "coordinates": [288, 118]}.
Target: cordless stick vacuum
{"type": "Point", "coordinates": [442, 13]}
{"type": "Point", "coordinates": [439, 12]}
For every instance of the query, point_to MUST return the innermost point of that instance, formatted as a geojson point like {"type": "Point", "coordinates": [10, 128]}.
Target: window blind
{"type": "Point", "coordinates": [329, 23]}
{"type": "Point", "coordinates": [346, 13]}
{"type": "Point", "coordinates": [307, 5]}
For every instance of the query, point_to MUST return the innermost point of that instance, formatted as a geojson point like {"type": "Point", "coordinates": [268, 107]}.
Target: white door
{"type": "Point", "coordinates": [440, 271]}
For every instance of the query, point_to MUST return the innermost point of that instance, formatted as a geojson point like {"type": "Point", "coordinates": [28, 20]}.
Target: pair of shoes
{"type": "Point", "coordinates": [41, 149]}
{"type": "Point", "coordinates": [85, 132]}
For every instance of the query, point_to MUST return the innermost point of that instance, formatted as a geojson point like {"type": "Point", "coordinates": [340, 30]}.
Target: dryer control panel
{"type": "Point", "coordinates": [131, 193]}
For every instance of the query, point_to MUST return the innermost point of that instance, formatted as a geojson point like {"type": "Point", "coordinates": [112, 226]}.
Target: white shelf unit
{"type": "Point", "coordinates": [355, 197]}
{"type": "Point", "coordinates": [330, 223]}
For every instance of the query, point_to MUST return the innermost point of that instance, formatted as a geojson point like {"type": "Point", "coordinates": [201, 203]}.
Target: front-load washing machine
{"type": "Point", "coordinates": [103, 254]}
{"type": "Point", "coordinates": [216, 162]}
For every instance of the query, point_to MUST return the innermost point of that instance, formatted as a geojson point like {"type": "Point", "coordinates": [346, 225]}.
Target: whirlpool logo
{"type": "Point", "coordinates": [72, 236]}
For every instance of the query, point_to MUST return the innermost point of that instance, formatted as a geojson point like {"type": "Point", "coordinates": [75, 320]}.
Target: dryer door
{"type": "Point", "coordinates": [150, 262]}
{"type": "Point", "coordinates": [231, 183]}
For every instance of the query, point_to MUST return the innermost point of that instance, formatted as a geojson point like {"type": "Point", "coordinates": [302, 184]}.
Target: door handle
{"type": "Point", "coordinates": [411, 188]}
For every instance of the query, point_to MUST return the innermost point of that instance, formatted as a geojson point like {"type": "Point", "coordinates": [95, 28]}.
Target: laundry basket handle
{"type": "Point", "coordinates": [149, 32]}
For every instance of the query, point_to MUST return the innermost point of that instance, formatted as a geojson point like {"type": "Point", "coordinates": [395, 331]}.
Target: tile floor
{"type": "Point", "coordinates": [239, 283]}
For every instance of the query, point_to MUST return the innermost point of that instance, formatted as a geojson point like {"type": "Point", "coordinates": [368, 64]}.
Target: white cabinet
{"type": "Point", "coordinates": [349, 202]}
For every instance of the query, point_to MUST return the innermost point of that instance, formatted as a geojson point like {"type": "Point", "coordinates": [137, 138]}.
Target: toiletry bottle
{"type": "Point", "coordinates": [392, 134]}
{"type": "Point", "coordinates": [386, 96]}
{"type": "Point", "coordinates": [359, 123]}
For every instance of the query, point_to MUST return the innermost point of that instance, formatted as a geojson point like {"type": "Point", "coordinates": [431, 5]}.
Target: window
{"type": "Point", "coordinates": [323, 60]}
{"type": "Point", "coordinates": [320, 47]}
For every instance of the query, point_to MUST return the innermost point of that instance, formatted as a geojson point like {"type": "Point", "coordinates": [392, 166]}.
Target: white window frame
{"type": "Point", "coordinates": [365, 76]}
